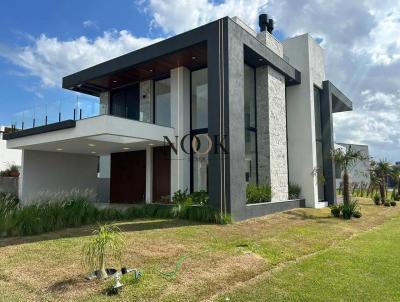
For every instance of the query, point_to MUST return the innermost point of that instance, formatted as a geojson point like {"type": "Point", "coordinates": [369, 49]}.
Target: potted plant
{"type": "Point", "coordinates": [106, 245]}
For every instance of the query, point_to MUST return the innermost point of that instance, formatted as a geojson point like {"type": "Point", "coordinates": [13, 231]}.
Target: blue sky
{"type": "Point", "coordinates": [26, 20]}
{"type": "Point", "coordinates": [42, 41]}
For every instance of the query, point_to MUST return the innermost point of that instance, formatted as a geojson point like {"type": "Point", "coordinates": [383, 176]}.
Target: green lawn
{"type": "Point", "coordinates": [364, 268]}
{"type": "Point", "coordinates": [302, 254]}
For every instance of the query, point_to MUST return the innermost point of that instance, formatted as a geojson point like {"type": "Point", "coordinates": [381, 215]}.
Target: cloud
{"type": "Point", "coordinates": [50, 59]}
{"type": "Point", "coordinates": [188, 14]}
{"type": "Point", "coordinates": [374, 123]}
{"type": "Point", "coordinates": [362, 48]}
{"type": "Point", "coordinates": [360, 38]}
{"type": "Point", "coordinates": [383, 41]}
{"type": "Point", "coordinates": [90, 24]}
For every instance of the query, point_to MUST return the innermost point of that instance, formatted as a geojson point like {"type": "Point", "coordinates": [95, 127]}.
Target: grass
{"type": "Point", "coordinates": [278, 257]}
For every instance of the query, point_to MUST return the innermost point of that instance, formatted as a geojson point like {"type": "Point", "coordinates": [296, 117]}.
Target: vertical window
{"type": "Point", "coordinates": [249, 97]}
{"type": "Point", "coordinates": [200, 164]}
{"type": "Point", "coordinates": [319, 145]}
{"type": "Point", "coordinates": [199, 129]}
{"type": "Point", "coordinates": [250, 125]}
{"type": "Point", "coordinates": [162, 102]}
{"type": "Point", "coordinates": [200, 99]}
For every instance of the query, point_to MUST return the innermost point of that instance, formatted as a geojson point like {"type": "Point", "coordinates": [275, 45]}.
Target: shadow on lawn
{"type": "Point", "coordinates": [125, 226]}
{"type": "Point", "coordinates": [298, 214]}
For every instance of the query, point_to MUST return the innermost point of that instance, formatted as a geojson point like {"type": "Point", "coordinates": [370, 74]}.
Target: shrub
{"type": "Point", "coordinates": [357, 214]}
{"type": "Point", "coordinates": [335, 210]}
{"type": "Point", "coordinates": [387, 204]}
{"type": "Point", "coordinates": [377, 199]}
{"type": "Point", "coordinates": [200, 197]}
{"type": "Point", "coordinates": [294, 190]}
{"type": "Point", "coordinates": [8, 205]}
{"type": "Point", "coordinates": [258, 194]}
{"type": "Point", "coordinates": [349, 209]}
{"type": "Point", "coordinates": [204, 214]}
{"type": "Point", "coordinates": [181, 198]}
{"type": "Point", "coordinates": [393, 203]}
{"type": "Point", "coordinates": [397, 197]}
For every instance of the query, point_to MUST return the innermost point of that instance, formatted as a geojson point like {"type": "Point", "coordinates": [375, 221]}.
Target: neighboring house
{"type": "Point", "coordinates": [265, 105]}
{"type": "Point", "coordinates": [8, 156]}
{"type": "Point", "coordinates": [359, 174]}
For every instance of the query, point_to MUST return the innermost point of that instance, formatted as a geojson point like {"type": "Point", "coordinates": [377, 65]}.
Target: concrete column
{"type": "Point", "coordinates": [146, 101]}
{"type": "Point", "coordinates": [301, 117]}
{"type": "Point", "coordinates": [277, 135]}
{"type": "Point", "coordinates": [180, 121]}
{"type": "Point", "coordinates": [104, 102]}
{"type": "Point", "coordinates": [104, 177]}
{"type": "Point", "coordinates": [271, 132]}
{"type": "Point", "coordinates": [149, 174]}
{"type": "Point", "coordinates": [50, 173]}
{"type": "Point", "coordinates": [105, 166]}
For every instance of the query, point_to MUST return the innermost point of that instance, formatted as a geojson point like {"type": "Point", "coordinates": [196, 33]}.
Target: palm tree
{"type": "Point", "coordinates": [383, 171]}
{"type": "Point", "coordinates": [396, 178]}
{"type": "Point", "coordinates": [346, 159]}
{"type": "Point", "coordinates": [107, 242]}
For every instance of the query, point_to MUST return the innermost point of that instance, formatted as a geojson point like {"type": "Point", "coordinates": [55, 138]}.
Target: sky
{"type": "Point", "coordinates": [41, 41]}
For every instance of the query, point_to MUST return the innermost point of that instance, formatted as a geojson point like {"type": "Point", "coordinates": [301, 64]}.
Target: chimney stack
{"type": "Point", "coordinates": [265, 23]}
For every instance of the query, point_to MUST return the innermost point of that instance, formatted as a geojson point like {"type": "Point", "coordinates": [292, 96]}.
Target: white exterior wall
{"type": "Point", "coordinates": [180, 121]}
{"type": "Point", "coordinates": [8, 156]}
{"type": "Point", "coordinates": [306, 56]}
{"type": "Point", "coordinates": [55, 172]}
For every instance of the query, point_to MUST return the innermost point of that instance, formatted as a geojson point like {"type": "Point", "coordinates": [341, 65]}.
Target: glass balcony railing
{"type": "Point", "coordinates": [54, 112]}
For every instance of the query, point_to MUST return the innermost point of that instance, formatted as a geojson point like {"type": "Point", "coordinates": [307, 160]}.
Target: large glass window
{"type": "Point", "coordinates": [251, 156]}
{"type": "Point", "coordinates": [199, 129]}
{"type": "Point", "coordinates": [200, 163]}
{"type": "Point", "coordinates": [319, 144]}
{"type": "Point", "coordinates": [162, 102]}
{"type": "Point", "coordinates": [249, 97]}
{"type": "Point", "coordinates": [250, 125]}
{"type": "Point", "coordinates": [200, 99]}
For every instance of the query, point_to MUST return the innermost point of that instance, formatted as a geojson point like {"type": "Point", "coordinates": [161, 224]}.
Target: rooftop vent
{"type": "Point", "coordinates": [265, 23]}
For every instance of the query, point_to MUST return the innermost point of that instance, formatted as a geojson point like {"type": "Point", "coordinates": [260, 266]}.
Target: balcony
{"type": "Point", "coordinates": [80, 128]}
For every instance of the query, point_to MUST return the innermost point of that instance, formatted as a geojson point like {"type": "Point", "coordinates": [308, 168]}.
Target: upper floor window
{"type": "Point", "coordinates": [200, 99]}
{"type": "Point", "coordinates": [249, 97]}
{"type": "Point", "coordinates": [162, 102]}
{"type": "Point", "coordinates": [250, 126]}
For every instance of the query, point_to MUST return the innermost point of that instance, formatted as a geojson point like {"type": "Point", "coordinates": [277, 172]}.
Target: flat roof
{"type": "Point", "coordinates": [150, 61]}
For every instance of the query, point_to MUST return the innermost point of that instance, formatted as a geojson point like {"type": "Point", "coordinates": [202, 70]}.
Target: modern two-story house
{"type": "Point", "coordinates": [233, 106]}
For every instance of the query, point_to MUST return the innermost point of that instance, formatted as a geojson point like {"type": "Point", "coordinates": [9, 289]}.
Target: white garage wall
{"type": "Point", "coordinates": [54, 172]}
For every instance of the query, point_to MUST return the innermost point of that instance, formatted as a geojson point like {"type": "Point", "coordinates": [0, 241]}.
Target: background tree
{"type": "Point", "coordinates": [347, 159]}
{"type": "Point", "coordinates": [396, 178]}
{"type": "Point", "coordinates": [382, 171]}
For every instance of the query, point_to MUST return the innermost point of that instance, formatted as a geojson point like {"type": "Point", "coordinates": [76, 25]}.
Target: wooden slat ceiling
{"type": "Point", "coordinates": [193, 57]}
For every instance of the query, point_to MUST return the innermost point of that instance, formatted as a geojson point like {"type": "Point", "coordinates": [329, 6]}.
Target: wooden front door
{"type": "Point", "coordinates": [128, 177]}
{"type": "Point", "coordinates": [161, 173]}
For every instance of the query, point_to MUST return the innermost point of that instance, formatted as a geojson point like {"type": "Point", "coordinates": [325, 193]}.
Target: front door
{"type": "Point", "coordinates": [161, 174]}
{"type": "Point", "coordinates": [128, 177]}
